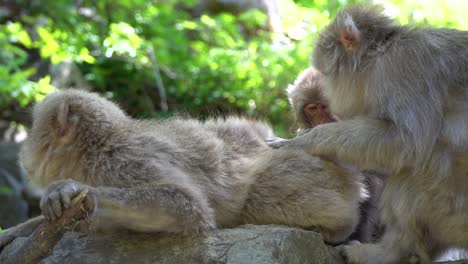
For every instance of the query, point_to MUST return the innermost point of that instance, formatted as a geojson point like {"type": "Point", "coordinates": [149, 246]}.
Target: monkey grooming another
{"type": "Point", "coordinates": [402, 95]}
{"type": "Point", "coordinates": [181, 176]}
{"type": "Point", "coordinates": [311, 108]}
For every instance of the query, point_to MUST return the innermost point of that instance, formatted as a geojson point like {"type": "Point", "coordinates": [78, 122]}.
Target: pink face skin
{"type": "Point", "coordinates": [318, 113]}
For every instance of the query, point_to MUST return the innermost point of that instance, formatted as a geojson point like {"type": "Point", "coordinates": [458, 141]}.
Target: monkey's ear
{"type": "Point", "coordinates": [66, 121]}
{"type": "Point", "coordinates": [349, 34]}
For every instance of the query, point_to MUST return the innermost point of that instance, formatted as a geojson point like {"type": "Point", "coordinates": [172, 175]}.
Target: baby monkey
{"type": "Point", "coordinates": [311, 108]}
{"type": "Point", "coordinates": [181, 175]}
{"type": "Point", "coordinates": [306, 97]}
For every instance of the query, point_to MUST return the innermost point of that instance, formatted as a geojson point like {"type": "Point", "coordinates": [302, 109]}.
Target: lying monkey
{"type": "Point", "coordinates": [181, 176]}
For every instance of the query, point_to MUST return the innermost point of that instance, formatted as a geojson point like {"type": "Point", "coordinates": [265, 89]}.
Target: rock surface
{"type": "Point", "coordinates": [244, 245]}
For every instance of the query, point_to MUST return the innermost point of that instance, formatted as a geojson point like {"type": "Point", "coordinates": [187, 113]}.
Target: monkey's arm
{"type": "Point", "coordinates": [371, 143]}
{"type": "Point", "coordinates": [149, 208]}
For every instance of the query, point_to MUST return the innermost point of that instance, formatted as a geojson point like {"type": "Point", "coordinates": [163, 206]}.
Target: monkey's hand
{"type": "Point", "coordinates": [59, 196]}
{"type": "Point", "coordinates": [357, 253]}
{"type": "Point", "coordinates": [277, 143]}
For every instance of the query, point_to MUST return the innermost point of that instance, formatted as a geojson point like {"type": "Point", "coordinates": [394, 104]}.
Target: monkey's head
{"type": "Point", "coordinates": [67, 123]}
{"type": "Point", "coordinates": [308, 101]}
{"type": "Point", "coordinates": [352, 40]}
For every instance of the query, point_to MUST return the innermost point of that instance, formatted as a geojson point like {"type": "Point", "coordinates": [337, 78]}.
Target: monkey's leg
{"type": "Point", "coordinates": [403, 237]}
{"type": "Point", "coordinates": [394, 247]}
{"type": "Point", "coordinates": [149, 208]}
{"type": "Point", "coordinates": [311, 197]}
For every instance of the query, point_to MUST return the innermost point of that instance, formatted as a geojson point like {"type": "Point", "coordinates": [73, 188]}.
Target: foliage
{"type": "Point", "coordinates": [14, 78]}
{"type": "Point", "coordinates": [132, 51]}
{"type": "Point", "coordinates": [5, 190]}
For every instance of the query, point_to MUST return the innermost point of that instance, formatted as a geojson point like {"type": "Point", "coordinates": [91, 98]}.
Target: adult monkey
{"type": "Point", "coordinates": [402, 93]}
{"type": "Point", "coordinates": [180, 175]}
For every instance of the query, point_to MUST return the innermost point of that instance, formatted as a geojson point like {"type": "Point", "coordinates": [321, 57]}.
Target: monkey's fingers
{"type": "Point", "coordinates": [350, 252]}
{"type": "Point", "coordinates": [342, 251]}
{"type": "Point", "coordinates": [55, 206]}
{"type": "Point", "coordinates": [277, 143]}
{"type": "Point", "coordinates": [80, 197]}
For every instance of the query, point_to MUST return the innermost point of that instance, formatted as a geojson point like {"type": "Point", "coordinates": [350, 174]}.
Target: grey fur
{"type": "Point", "coordinates": [181, 175]}
{"type": "Point", "coordinates": [308, 89]}
{"type": "Point", "coordinates": [402, 93]}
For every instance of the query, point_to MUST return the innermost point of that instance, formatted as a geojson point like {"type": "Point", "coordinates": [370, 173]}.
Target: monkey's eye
{"type": "Point", "coordinates": [313, 107]}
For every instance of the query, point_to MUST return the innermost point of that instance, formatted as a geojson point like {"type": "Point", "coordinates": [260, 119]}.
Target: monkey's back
{"type": "Point", "coordinates": [216, 154]}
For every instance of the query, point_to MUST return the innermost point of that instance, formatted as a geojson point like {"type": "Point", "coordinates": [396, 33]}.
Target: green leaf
{"type": "Point", "coordinates": [207, 20]}
{"type": "Point", "coordinates": [50, 47]}
{"type": "Point", "coordinates": [18, 34]}
{"type": "Point", "coordinates": [84, 55]}
{"type": "Point", "coordinates": [5, 190]}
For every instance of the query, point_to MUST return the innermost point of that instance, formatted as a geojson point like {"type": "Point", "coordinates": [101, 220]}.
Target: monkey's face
{"type": "Point", "coordinates": [318, 113]}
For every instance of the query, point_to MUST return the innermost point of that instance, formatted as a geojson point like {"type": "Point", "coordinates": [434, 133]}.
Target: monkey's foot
{"type": "Point", "coordinates": [357, 253]}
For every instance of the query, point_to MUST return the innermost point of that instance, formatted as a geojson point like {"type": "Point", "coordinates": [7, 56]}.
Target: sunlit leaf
{"type": "Point", "coordinates": [50, 46]}
{"type": "Point", "coordinates": [187, 25]}
{"type": "Point", "coordinates": [84, 55]}
{"type": "Point", "coordinates": [253, 18]}
{"type": "Point", "coordinates": [208, 21]}
{"type": "Point", "coordinates": [18, 34]}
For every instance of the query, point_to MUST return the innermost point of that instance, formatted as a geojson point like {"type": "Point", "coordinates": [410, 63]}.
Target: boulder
{"type": "Point", "coordinates": [243, 245]}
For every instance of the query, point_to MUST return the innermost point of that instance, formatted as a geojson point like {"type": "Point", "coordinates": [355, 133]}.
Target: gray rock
{"type": "Point", "coordinates": [244, 245]}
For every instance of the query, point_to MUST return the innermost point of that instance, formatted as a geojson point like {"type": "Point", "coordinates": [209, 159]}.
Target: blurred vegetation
{"type": "Point", "coordinates": [139, 52]}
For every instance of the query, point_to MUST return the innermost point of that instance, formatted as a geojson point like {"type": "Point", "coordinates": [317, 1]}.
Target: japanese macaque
{"type": "Point", "coordinates": [305, 95]}
{"type": "Point", "coordinates": [311, 108]}
{"type": "Point", "coordinates": [402, 95]}
{"type": "Point", "coordinates": [181, 175]}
